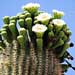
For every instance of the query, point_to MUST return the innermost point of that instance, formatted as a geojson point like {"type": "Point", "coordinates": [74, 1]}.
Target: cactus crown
{"type": "Point", "coordinates": [38, 33]}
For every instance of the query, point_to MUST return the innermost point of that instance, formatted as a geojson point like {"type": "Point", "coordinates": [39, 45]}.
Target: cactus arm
{"type": "Point", "coordinates": [46, 62]}
{"type": "Point", "coordinates": [39, 48]}
{"type": "Point", "coordinates": [27, 65]}
{"type": "Point", "coordinates": [22, 55]}
{"type": "Point", "coordinates": [32, 56]}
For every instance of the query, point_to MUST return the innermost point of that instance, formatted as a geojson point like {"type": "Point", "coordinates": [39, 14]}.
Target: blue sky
{"type": "Point", "coordinates": [12, 7]}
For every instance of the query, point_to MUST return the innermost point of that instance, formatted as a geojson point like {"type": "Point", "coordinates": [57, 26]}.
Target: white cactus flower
{"type": "Point", "coordinates": [31, 7]}
{"type": "Point", "coordinates": [43, 17]}
{"type": "Point", "coordinates": [39, 29]}
{"type": "Point", "coordinates": [58, 22]}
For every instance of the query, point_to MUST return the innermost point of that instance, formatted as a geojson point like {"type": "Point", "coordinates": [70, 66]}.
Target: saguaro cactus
{"type": "Point", "coordinates": [38, 47]}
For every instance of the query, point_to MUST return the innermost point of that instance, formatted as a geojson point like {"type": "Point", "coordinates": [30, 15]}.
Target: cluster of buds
{"type": "Point", "coordinates": [28, 35]}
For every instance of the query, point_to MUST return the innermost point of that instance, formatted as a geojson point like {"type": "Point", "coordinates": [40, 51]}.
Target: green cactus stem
{"type": "Point", "coordinates": [27, 65]}
{"type": "Point", "coordinates": [15, 57]}
{"type": "Point", "coordinates": [1, 60]}
{"type": "Point", "coordinates": [39, 49]}
{"type": "Point", "coordinates": [54, 65]}
{"type": "Point", "coordinates": [15, 49]}
{"type": "Point", "coordinates": [46, 62]}
{"type": "Point", "coordinates": [20, 39]}
{"type": "Point", "coordinates": [6, 57]}
{"type": "Point", "coordinates": [32, 56]}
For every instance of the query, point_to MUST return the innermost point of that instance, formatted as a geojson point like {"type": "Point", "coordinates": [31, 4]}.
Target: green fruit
{"type": "Point", "coordinates": [51, 34]}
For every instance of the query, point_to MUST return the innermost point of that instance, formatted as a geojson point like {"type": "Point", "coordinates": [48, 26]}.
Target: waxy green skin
{"type": "Point", "coordinates": [34, 53]}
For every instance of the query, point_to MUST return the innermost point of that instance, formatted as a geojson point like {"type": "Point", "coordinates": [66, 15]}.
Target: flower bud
{"type": "Point", "coordinates": [13, 18]}
{"type": "Point", "coordinates": [28, 22]}
{"type": "Point", "coordinates": [21, 22]}
{"type": "Point", "coordinates": [4, 34]}
{"type": "Point", "coordinates": [21, 40]}
{"type": "Point", "coordinates": [6, 19]}
{"type": "Point", "coordinates": [60, 42]}
{"type": "Point", "coordinates": [61, 34]}
{"type": "Point", "coordinates": [65, 47]}
{"type": "Point", "coordinates": [23, 32]}
{"type": "Point", "coordinates": [58, 14]}
{"type": "Point", "coordinates": [51, 34]}
{"type": "Point", "coordinates": [21, 16]}
{"type": "Point", "coordinates": [50, 27]}
{"type": "Point", "coordinates": [5, 26]}
{"type": "Point", "coordinates": [27, 15]}
{"type": "Point", "coordinates": [13, 29]}
{"type": "Point", "coordinates": [13, 21]}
